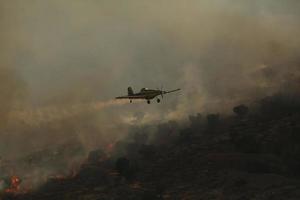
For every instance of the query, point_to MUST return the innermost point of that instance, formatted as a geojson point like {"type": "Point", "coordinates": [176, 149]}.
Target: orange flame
{"type": "Point", "coordinates": [14, 185]}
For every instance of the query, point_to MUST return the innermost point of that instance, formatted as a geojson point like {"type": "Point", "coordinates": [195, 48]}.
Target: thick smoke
{"type": "Point", "coordinates": [12, 91]}
{"type": "Point", "coordinates": [62, 63]}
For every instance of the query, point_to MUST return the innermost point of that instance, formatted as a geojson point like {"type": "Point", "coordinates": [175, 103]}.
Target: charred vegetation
{"type": "Point", "coordinates": [252, 153]}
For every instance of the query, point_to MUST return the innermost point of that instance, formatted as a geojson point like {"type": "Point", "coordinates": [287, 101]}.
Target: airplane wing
{"type": "Point", "coordinates": [166, 92]}
{"type": "Point", "coordinates": [132, 97]}
{"type": "Point", "coordinates": [123, 97]}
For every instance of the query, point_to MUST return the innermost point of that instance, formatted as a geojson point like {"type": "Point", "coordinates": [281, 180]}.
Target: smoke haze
{"type": "Point", "coordinates": [62, 63]}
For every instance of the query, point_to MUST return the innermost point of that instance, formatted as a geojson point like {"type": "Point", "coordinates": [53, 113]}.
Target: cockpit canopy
{"type": "Point", "coordinates": [144, 89]}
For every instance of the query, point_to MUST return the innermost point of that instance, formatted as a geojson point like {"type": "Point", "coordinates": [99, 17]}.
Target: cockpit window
{"type": "Point", "coordinates": [144, 89]}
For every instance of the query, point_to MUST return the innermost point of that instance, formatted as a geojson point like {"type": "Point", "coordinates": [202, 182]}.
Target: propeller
{"type": "Point", "coordinates": [161, 91]}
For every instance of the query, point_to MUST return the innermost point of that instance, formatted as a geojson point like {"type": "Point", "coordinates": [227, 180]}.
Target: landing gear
{"type": "Point", "coordinates": [158, 100]}
{"type": "Point", "coordinates": [148, 101]}
{"type": "Point", "coordinates": [130, 101]}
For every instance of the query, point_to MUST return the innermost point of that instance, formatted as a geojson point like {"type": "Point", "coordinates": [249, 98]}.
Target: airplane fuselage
{"type": "Point", "coordinates": [149, 94]}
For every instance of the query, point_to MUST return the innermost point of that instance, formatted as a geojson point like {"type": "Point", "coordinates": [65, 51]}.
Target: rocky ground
{"type": "Point", "coordinates": [250, 155]}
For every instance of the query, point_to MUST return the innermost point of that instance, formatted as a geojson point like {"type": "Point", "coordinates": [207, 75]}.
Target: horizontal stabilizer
{"type": "Point", "coordinates": [166, 92]}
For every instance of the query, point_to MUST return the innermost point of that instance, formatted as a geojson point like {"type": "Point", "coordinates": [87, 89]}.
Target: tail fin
{"type": "Point", "coordinates": [130, 91]}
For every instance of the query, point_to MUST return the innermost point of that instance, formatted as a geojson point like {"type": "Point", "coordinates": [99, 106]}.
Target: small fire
{"type": "Point", "coordinates": [14, 185]}
{"type": "Point", "coordinates": [62, 177]}
{"type": "Point", "coordinates": [110, 147]}
{"type": "Point", "coordinates": [136, 185]}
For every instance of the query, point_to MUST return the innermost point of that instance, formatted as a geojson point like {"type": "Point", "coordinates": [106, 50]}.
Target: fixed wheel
{"type": "Point", "coordinates": [158, 100]}
{"type": "Point", "coordinates": [148, 101]}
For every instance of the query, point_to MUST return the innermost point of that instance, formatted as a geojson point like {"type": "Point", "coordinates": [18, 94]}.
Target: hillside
{"type": "Point", "coordinates": [253, 154]}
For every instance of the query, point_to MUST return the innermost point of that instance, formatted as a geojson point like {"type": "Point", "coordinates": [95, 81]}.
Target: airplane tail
{"type": "Point", "coordinates": [130, 91]}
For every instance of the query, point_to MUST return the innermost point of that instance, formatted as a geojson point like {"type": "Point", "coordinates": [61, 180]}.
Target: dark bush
{"type": "Point", "coordinates": [280, 104]}
{"type": "Point", "coordinates": [96, 156]}
{"type": "Point", "coordinates": [213, 120]}
{"type": "Point", "coordinates": [148, 152]}
{"type": "Point", "coordinates": [122, 165]}
{"type": "Point", "coordinates": [126, 168]}
{"type": "Point", "coordinates": [241, 110]}
{"type": "Point", "coordinates": [246, 143]}
{"type": "Point", "coordinates": [185, 135]}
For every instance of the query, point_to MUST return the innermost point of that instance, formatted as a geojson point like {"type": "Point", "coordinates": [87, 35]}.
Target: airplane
{"type": "Point", "coordinates": [145, 93]}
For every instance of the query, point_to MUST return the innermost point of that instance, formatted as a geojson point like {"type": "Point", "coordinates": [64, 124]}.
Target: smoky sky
{"type": "Point", "coordinates": [65, 54]}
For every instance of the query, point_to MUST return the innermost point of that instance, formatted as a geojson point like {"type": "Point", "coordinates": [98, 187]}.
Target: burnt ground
{"type": "Point", "coordinates": [250, 155]}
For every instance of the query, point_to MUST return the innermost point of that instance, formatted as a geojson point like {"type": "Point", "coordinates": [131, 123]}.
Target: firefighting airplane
{"type": "Point", "coordinates": [146, 94]}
